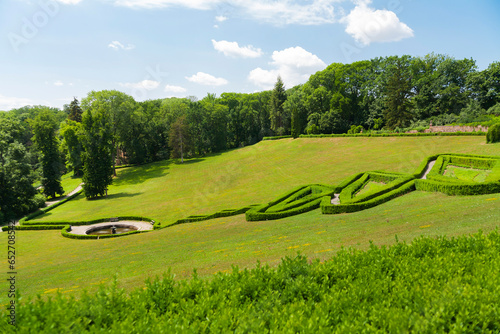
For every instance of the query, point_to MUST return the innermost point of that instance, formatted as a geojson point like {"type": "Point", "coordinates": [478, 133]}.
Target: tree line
{"type": "Point", "coordinates": [89, 137]}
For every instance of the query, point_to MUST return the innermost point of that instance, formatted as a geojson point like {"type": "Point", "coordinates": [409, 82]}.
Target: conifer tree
{"type": "Point", "coordinates": [75, 112]}
{"type": "Point", "coordinates": [397, 112]}
{"type": "Point", "coordinates": [277, 115]}
{"type": "Point", "coordinates": [178, 138]}
{"type": "Point", "coordinates": [97, 158]}
{"type": "Point", "coordinates": [45, 138]}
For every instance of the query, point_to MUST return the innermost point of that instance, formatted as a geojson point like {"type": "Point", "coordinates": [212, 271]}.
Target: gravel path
{"type": "Point", "coordinates": [77, 189]}
{"type": "Point", "coordinates": [429, 167]}
{"type": "Point", "coordinates": [335, 199]}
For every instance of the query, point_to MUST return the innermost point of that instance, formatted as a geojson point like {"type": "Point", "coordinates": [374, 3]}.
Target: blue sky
{"type": "Point", "coordinates": [54, 50]}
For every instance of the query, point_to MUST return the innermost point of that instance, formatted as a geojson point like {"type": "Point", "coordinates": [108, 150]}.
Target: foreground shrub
{"type": "Point", "coordinates": [432, 285]}
{"type": "Point", "coordinates": [493, 135]}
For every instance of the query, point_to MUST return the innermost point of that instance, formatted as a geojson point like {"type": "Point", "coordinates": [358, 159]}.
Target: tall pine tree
{"type": "Point", "coordinates": [74, 111]}
{"type": "Point", "coordinates": [45, 138]}
{"type": "Point", "coordinates": [397, 112]}
{"type": "Point", "coordinates": [277, 115]}
{"type": "Point", "coordinates": [178, 138]}
{"type": "Point", "coordinates": [97, 158]}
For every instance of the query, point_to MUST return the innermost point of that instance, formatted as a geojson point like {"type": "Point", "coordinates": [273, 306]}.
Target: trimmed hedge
{"type": "Point", "coordinates": [277, 137]}
{"type": "Point", "coordinates": [297, 201]}
{"type": "Point", "coordinates": [257, 214]}
{"type": "Point", "coordinates": [419, 172]}
{"type": "Point", "coordinates": [349, 192]}
{"type": "Point", "coordinates": [301, 197]}
{"type": "Point", "coordinates": [458, 188]}
{"type": "Point", "coordinates": [34, 227]}
{"type": "Point", "coordinates": [347, 182]}
{"type": "Point", "coordinates": [219, 214]}
{"type": "Point", "coordinates": [328, 208]}
{"type": "Point", "coordinates": [478, 133]}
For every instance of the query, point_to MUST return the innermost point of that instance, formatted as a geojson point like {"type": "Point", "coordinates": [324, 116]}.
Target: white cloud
{"type": "Point", "coordinates": [8, 103]}
{"type": "Point", "coordinates": [368, 25]}
{"type": "Point", "coordinates": [115, 45]}
{"type": "Point", "coordinates": [207, 79]}
{"type": "Point", "coordinates": [58, 83]}
{"type": "Point", "coordinates": [144, 84]}
{"type": "Point", "coordinates": [284, 12]}
{"type": "Point", "coordinates": [232, 49]}
{"type": "Point", "coordinates": [295, 65]}
{"type": "Point", "coordinates": [150, 4]}
{"type": "Point", "coordinates": [220, 18]}
{"type": "Point", "coordinates": [69, 2]}
{"type": "Point", "coordinates": [277, 12]}
{"type": "Point", "coordinates": [175, 89]}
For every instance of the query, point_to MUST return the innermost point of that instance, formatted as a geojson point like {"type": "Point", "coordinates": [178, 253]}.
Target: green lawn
{"type": "Point", "coordinates": [370, 186]}
{"type": "Point", "coordinates": [48, 262]}
{"type": "Point", "coordinates": [467, 174]}
{"type": "Point", "coordinates": [167, 191]}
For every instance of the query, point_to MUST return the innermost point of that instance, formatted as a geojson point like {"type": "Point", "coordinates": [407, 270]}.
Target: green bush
{"type": "Point", "coordinates": [493, 135]}
{"type": "Point", "coordinates": [431, 285]}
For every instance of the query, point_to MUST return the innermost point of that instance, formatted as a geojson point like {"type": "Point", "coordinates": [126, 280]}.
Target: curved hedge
{"type": "Point", "coordinates": [297, 201]}
{"type": "Point", "coordinates": [328, 208]}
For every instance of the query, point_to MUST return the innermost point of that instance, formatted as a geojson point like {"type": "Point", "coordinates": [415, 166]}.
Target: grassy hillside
{"type": "Point", "coordinates": [47, 262]}
{"type": "Point", "coordinates": [167, 191]}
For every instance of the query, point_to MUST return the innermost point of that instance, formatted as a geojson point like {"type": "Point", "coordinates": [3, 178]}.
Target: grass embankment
{"type": "Point", "coordinates": [47, 262]}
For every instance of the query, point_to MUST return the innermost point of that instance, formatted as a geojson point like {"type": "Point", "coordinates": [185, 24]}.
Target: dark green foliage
{"type": "Point", "coordinates": [74, 111]}
{"type": "Point", "coordinates": [398, 91]}
{"type": "Point", "coordinates": [493, 135]}
{"type": "Point", "coordinates": [44, 129]}
{"type": "Point", "coordinates": [71, 133]}
{"type": "Point", "coordinates": [17, 194]}
{"type": "Point", "coordinates": [178, 138]}
{"type": "Point", "coordinates": [279, 120]}
{"type": "Point", "coordinates": [97, 158]}
{"type": "Point", "coordinates": [433, 285]}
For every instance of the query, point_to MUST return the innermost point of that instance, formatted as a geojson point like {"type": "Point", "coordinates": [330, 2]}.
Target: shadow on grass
{"type": "Point", "coordinates": [141, 174]}
{"type": "Point", "coordinates": [115, 196]}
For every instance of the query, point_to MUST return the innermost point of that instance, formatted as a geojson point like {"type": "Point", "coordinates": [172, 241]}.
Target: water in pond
{"type": "Point", "coordinates": [109, 230]}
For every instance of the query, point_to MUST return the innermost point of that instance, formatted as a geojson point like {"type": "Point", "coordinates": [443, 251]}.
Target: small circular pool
{"type": "Point", "coordinates": [111, 229]}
